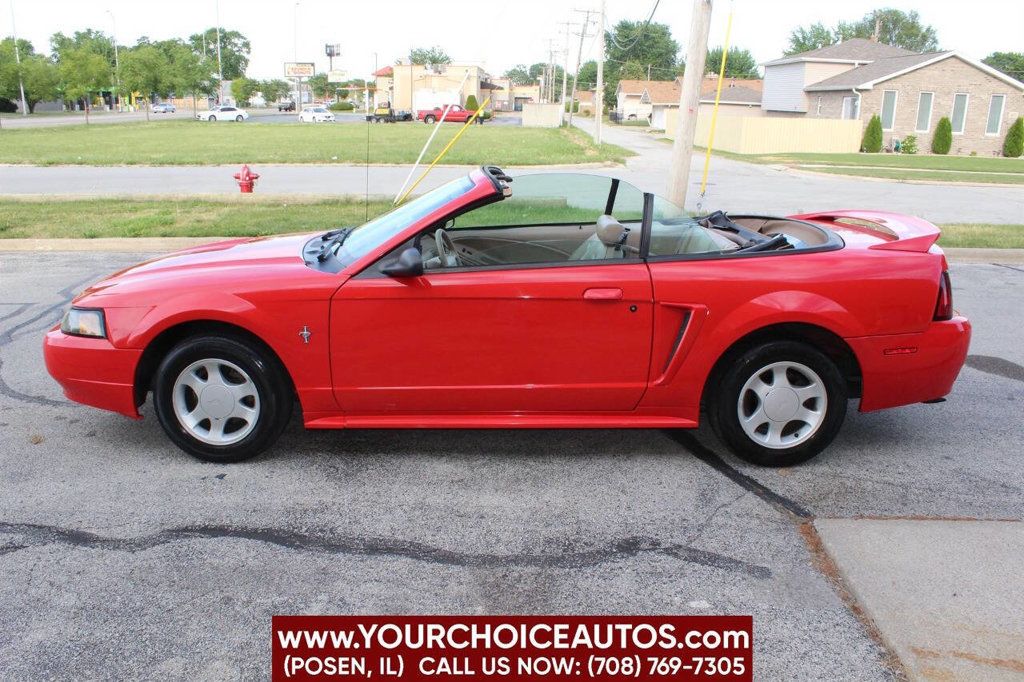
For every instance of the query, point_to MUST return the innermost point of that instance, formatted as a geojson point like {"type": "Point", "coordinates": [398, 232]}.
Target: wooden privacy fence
{"type": "Point", "coordinates": [770, 135]}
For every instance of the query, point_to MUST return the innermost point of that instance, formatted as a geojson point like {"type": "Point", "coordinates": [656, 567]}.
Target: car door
{"type": "Point", "coordinates": [543, 339]}
{"type": "Point", "coordinates": [558, 336]}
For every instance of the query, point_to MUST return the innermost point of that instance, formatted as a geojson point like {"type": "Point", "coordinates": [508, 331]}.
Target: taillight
{"type": "Point", "coordinates": [944, 304]}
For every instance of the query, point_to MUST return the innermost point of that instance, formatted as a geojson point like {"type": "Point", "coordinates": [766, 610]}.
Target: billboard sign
{"type": "Point", "coordinates": [299, 69]}
{"type": "Point", "coordinates": [337, 76]}
{"type": "Point", "coordinates": [332, 49]}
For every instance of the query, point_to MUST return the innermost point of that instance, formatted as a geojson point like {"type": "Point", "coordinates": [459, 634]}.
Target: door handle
{"type": "Point", "coordinates": [603, 294]}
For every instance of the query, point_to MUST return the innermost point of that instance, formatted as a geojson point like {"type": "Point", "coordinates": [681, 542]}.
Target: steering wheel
{"type": "Point", "coordinates": [446, 249]}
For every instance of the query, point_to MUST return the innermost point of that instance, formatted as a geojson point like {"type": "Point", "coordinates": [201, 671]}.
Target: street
{"type": "Point", "coordinates": [123, 557]}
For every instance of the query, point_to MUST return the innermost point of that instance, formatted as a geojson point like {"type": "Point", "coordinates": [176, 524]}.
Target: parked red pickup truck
{"type": "Point", "coordinates": [457, 114]}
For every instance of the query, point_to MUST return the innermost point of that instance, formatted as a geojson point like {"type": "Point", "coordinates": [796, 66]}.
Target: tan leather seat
{"type": "Point", "coordinates": [606, 242]}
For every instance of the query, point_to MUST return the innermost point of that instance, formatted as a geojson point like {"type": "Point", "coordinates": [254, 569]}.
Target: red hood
{"type": "Point", "coordinates": [216, 264]}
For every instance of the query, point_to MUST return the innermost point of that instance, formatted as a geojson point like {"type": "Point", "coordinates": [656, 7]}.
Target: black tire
{"type": "Point", "coordinates": [725, 408]}
{"type": "Point", "coordinates": [211, 119]}
{"type": "Point", "coordinates": [430, 118]}
{"type": "Point", "coordinates": [238, 119]}
{"type": "Point", "coordinates": [275, 398]}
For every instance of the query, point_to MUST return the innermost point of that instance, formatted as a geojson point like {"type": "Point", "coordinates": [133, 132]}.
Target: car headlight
{"type": "Point", "coordinates": [84, 322]}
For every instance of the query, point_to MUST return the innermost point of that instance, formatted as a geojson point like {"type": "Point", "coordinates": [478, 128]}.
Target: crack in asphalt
{"type": "Point", "coordinates": [34, 535]}
{"type": "Point", "coordinates": [715, 461]}
{"type": "Point", "coordinates": [7, 336]}
{"type": "Point", "coordinates": [1001, 367]}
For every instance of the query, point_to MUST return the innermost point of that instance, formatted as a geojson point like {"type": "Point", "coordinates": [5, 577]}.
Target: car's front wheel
{"type": "Point", "coordinates": [212, 119]}
{"type": "Point", "coordinates": [779, 404]}
{"type": "Point", "coordinates": [238, 119]}
{"type": "Point", "coordinates": [221, 399]}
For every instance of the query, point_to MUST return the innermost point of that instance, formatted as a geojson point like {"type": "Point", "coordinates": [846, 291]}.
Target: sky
{"type": "Point", "coordinates": [497, 34]}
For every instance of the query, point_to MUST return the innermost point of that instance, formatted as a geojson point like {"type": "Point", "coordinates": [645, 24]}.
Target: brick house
{"type": "Point", "coordinates": [909, 91]}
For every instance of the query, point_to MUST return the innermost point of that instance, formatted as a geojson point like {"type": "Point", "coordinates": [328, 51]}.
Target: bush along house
{"type": "Point", "coordinates": [909, 91]}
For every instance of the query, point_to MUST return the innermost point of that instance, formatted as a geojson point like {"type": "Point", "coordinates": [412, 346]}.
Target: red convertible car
{"type": "Point", "coordinates": [555, 301]}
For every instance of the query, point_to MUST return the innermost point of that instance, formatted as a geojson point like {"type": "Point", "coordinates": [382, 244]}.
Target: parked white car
{"type": "Point", "coordinates": [223, 113]}
{"type": "Point", "coordinates": [316, 115]}
{"type": "Point", "coordinates": [163, 108]}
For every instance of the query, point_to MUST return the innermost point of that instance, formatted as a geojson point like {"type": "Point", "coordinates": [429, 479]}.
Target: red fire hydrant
{"type": "Point", "coordinates": [246, 179]}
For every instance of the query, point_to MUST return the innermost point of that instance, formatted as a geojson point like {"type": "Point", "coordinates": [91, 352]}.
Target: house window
{"type": "Point", "coordinates": [924, 112]}
{"type": "Point", "coordinates": [995, 114]}
{"type": "Point", "coordinates": [851, 107]}
{"type": "Point", "coordinates": [959, 112]}
{"type": "Point", "coordinates": [888, 109]}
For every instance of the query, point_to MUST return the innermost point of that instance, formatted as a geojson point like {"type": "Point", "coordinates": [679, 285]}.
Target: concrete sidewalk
{"type": "Point", "coordinates": [946, 595]}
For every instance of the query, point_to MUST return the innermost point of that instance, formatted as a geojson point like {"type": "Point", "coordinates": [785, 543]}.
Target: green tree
{"type": "Point", "coordinates": [471, 103]}
{"type": "Point", "coordinates": [647, 45]}
{"type": "Point", "coordinates": [739, 64]}
{"type": "Point", "coordinates": [242, 89]}
{"type": "Point", "coordinates": [41, 80]}
{"type": "Point", "coordinates": [90, 40]}
{"type": "Point", "coordinates": [147, 70]}
{"type": "Point", "coordinates": [429, 55]}
{"type": "Point", "coordinates": [84, 73]}
{"type": "Point", "coordinates": [942, 141]}
{"type": "Point", "coordinates": [234, 51]}
{"type": "Point", "coordinates": [588, 76]}
{"type": "Point", "coordinates": [519, 75]}
{"type": "Point", "coordinates": [1013, 146]}
{"type": "Point", "coordinates": [872, 140]}
{"type": "Point", "coordinates": [319, 85]}
{"type": "Point", "coordinates": [189, 73]}
{"type": "Point", "coordinates": [274, 90]}
{"type": "Point", "coordinates": [343, 93]}
{"type": "Point", "coordinates": [1010, 63]}
{"type": "Point", "coordinates": [895, 27]}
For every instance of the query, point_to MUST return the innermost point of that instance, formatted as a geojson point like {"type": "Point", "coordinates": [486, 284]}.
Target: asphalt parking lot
{"type": "Point", "coordinates": [121, 557]}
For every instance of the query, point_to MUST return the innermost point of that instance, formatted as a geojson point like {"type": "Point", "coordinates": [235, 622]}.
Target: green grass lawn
{"type": "Point", "coordinates": [981, 169]}
{"type": "Point", "coordinates": [199, 143]}
{"type": "Point", "coordinates": [257, 216]}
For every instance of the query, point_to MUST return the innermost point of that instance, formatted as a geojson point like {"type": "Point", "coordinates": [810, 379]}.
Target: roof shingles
{"type": "Point", "coordinates": [854, 49]}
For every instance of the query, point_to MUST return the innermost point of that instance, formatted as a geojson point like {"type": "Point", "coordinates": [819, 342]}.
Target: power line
{"type": "Point", "coordinates": [640, 32]}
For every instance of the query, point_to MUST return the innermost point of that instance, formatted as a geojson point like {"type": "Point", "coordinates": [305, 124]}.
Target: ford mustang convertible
{"type": "Point", "coordinates": [554, 301]}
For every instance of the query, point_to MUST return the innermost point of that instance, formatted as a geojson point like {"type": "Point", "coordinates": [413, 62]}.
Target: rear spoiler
{"type": "Point", "coordinates": [901, 232]}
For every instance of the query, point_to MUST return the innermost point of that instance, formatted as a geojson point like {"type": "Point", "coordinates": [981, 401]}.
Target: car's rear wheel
{"type": "Point", "coordinates": [221, 399]}
{"type": "Point", "coordinates": [429, 119]}
{"type": "Point", "coordinates": [212, 119]}
{"type": "Point", "coordinates": [779, 404]}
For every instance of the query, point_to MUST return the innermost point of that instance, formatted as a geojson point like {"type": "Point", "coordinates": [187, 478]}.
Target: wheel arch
{"type": "Point", "coordinates": [162, 343]}
{"type": "Point", "coordinates": [816, 336]}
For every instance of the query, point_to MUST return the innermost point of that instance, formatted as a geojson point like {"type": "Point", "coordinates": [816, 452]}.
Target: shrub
{"type": "Point", "coordinates": [1014, 144]}
{"type": "Point", "coordinates": [485, 115]}
{"type": "Point", "coordinates": [943, 139]}
{"type": "Point", "coordinates": [471, 103]}
{"type": "Point", "coordinates": [7, 106]}
{"type": "Point", "coordinates": [342, 106]}
{"type": "Point", "coordinates": [909, 145]}
{"type": "Point", "coordinates": [575, 107]}
{"type": "Point", "coordinates": [872, 141]}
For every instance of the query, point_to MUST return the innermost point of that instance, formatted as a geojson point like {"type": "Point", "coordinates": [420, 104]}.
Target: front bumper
{"type": "Point", "coordinates": [93, 372]}
{"type": "Point", "coordinates": [903, 369]}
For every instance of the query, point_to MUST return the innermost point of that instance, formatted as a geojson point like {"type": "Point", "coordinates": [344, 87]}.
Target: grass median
{"type": "Point", "coordinates": [240, 216]}
{"type": "Point", "coordinates": [919, 167]}
{"type": "Point", "coordinates": [199, 143]}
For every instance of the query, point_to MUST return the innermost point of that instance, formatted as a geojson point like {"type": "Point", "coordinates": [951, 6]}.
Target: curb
{"type": "Point", "coordinates": [166, 244]}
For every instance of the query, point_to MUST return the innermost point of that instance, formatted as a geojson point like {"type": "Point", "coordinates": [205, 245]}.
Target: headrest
{"type": "Point", "coordinates": [610, 231]}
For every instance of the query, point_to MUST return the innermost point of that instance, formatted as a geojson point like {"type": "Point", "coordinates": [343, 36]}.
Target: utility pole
{"type": "Point", "coordinates": [599, 92]}
{"type": "Point", "coordinates": [220, 69]}
{"type": "Point", "coordinates": [649, 72]}
{"type": "Point", "coordinates": [117, 62]}
{"type": "Point", "coordinates": [565, 71]}
{"type": "Point", "coordinates": [579, 56]}
{"type": "Point", "coordinates": [689, 102]}
{"type": "Point", "coordinates": [17, 60]}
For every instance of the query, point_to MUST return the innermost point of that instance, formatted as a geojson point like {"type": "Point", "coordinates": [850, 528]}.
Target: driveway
{"type": "Point", "coordinates": [122, 557]}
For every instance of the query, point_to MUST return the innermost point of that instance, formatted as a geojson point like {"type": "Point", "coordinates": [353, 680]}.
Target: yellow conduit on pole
{"type": "Point", "coordinates": [444, 151]}
{"type": "Point", "coordinates": [714, 112]}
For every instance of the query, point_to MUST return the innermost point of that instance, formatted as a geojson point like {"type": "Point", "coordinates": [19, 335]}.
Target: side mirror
{"type": "Point", "coordinates": [408, 264]}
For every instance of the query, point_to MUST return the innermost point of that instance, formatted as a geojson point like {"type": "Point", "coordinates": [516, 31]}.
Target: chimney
{"type": "Point", "coordinates": [878, 29]}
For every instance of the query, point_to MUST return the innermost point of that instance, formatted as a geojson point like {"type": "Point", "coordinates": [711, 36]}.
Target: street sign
{"type": "Point", "coordinates": [299, 69]}
{"type": "Point", "coordinates": [337, 76]}
{"type": "Point", "coordinates": [332, 49]}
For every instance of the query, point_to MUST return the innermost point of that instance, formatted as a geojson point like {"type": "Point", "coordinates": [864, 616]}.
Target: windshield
{"type": "Point", "coordinates": [381, 229]}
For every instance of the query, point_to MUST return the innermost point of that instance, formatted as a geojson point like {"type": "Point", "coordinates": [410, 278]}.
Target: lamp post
{"type": "Point", "coordinates": [17, 60]}
{"type": "Point", "coordinates": [295, 54]}
{"type": "Point", "coordinates": [117, 60]}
